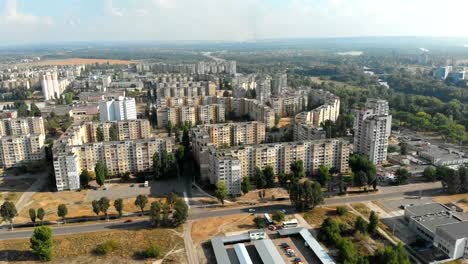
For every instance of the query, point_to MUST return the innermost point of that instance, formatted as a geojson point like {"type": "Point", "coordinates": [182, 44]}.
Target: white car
{"type": "Point", "coordinates": [251, 210]}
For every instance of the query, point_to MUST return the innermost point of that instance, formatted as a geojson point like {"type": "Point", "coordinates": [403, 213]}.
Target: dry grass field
{"type": "Point", "coordinates": [204, 229]}
{"type": "Point", "coordinates": [79, 248]}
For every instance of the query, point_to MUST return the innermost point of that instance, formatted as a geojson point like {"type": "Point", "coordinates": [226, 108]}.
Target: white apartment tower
{"type": "Point", "coordinates": [123, 108]}
{"type": "Point", "coordinates": [50, 85]}
{"type": "Point", "coordinates": [372, 129]}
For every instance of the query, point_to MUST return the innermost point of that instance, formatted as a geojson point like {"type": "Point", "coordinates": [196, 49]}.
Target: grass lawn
{"type": "Point", "coordinates": [362, 208]}
{"type": "Point", "coordinates": [316, 216]}
{"type": "Point", "coordinates": [71, 248]}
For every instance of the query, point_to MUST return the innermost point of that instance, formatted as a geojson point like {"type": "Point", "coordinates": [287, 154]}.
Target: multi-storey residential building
{"type": "Point", "coordinates": [333, 153]}
{"type": "Point", "coordinates": [329, 108]}
{"type": "Point", "coordinates": [21, 140]}
{"type": "Point", "coordinates": [191, 114]}
{"type": "Point", "coordinates": [232, 134]}
{"type": "Point", "coordinates": [308, 132]}
{"type": "Point", "coordinates": [372, 129]}
{"type": "Point", "coordinates": [279, 82]}
{"type": "Point", "coordinates": [123, 108]}
{"type": "Point", "coordinates": [52, 86]}
{"type": "Point", "coordinates": [77, 149]}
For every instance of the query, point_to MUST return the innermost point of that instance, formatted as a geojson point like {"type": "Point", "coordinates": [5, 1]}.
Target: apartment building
{"type": "Point", "coordinates": [308, 132]}
{"type": "Point", "coordinates": [329, 108]}
{"type": "Point", "coordinates": [232, 134]}
{"type": "Point", "coordinates": [21, 140]}
{"type": "Point", "coordinates": [122, 108]}
{"type": "Point", "coordinates": [77, 149]}
{"type": "Point", "coordinates": [372, 130]}
{"type": "Point", "coordinates": [21, 126]}
{"type": "Point", "coordinates": [329, 152]}
{"type": "Point", "coordinates": [193, 115]}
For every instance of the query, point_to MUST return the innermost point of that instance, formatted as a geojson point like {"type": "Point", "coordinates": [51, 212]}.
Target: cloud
{"type": "Point", "coordinates": [11, 15]}
{"type": "Point", "coordinates": [109, 4]}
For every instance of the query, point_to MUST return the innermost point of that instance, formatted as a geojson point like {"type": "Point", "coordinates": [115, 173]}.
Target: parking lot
{"type": "Point", "coordinates": [296, 243]}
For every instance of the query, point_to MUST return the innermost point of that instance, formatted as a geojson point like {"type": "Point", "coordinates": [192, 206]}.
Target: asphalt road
{"type": "Point", "coordinates": [198, 213]}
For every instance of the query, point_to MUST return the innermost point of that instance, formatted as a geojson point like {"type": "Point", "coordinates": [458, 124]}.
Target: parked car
{"type": "Point", "coordinates": [128, 221]}
{"type": "Point", "coordinates": [297, 260]}
{"type": "Point", "coordinates": [283, 245]}
{"type": "Point", "coordinates": [272, 227]}
{"type": "Point", "coordinates": [251, 210]}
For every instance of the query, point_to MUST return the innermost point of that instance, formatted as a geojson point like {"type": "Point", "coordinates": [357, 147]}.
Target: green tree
{"type": "Point", "coordinates": [297, 170]}
{"type": "Point", "coordinates": [99, 134]}
{"type": "Point", "coordinates": [341, 210]}
{"type": "Point", "coordinates": [330, 231]}
{"type": "Point", "coordinates": [104, 205]}
{"type": "Point", "coordinates": [185, 137]}
{"type": "Point", "coordinates": [347, 251]}
{"type": "Point", "coordinates": [40, 214]}
{"type": "Point", "coordinates": [360, 179]}
{"type": "Point", "coordinates": [166, 209]}
{"type": "Point", "coordinates": [153, 251]}
{"type": "Point", "coordinates": [430, 174]}
{"type": "Point", "coordinates": [35, 111]}
{"type": "Point", "coordinates": [42, 244]}
{"type": "Point", "coordinates": [171, 199]}
{"type": "Point", "coordinates": [283, 179]}
{"type": "Point", "coordinates": [141, 201]}
{"type": "Point", "coordinates": [360, 225]}
{"type": "Point", "coordinates": [245, 185]}
{"type": "Point", "coordinates": [8, 212]}
{"type": "Point", "coordinates": [269, 176]}
{"type": "Point", "coordinates": [324, 175]}
{"type": "Point", "coordinates": [259, 178]}
{"type": "Point", "coordinates": [279, 216]}
{"type": "Point", "coordinates": [84, 178]}
{"type": "Point", "coordinates": [113, 133]}
{"type": "Point", "coordinates": [62, 211]}
{"type": "Point", "coordinates": [169, 128]}
{"type": "Point", "coordinates": [180, 214]}
{"type": "Point", "coordinates": [259, 222]}
{"type": "Point", "coordinates": [402, 176]}
{"type": "Point", "coordinates": [391, 255]}
{"type": "Point", "coordinates": [373, 223]}
{"type": "Point", "coordinates": [96, 206]}
{"type": "Point", "coordinates": [32, 215]}
{"type": "Point", "coordinates": [119, 205]}
{"type": "Point", "coordinates": [359, 163]}
{"type": "Point", "coordinates": [101, 172]}
{"type": "Point", "coordinates": [157, 166]}
{"type": "Point", "coordinates": [155, 214]}
{"type": "Point", "coordinates": [305, 195]}
{"type": "Point", "coordinates": [221, 192]}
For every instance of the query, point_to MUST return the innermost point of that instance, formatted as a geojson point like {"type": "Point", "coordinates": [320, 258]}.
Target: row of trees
{"type": "Point", "coordinates": [159, 212]}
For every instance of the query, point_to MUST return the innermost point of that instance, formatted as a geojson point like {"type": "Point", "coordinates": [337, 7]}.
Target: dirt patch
{"type": "Point", "coordinates": [79, 248]}
{"type": "Point", "coordinates": [202, 230]}
{"type": "Point", "coordinates": [362, 209]}
{"type": "Point", "coordinates": [285, 121]}
{"type": "Point", "coordinates": [453, 199]}
{"type": "Point", "coordinates": [271, 194]}
{"type": "Point", "coordinates": [316, 216]}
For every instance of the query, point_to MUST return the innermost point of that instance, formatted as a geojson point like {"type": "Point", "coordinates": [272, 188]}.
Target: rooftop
{"type": "Point", "coordinates": [456, 230]}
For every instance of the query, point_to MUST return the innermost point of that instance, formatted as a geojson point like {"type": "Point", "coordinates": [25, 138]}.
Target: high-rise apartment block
{"type": "Point", "coordinates": [122, 108]}
{"type": "Point", "coordinates": [232, 164]}
{"type": "Point", "coordinates": [193, 115]}
{"type": "Point", "coordinates": [279, 83]}
{"type": "Point", "coordinates": [21, 140]}
{"type": "Point", "coordinates": [372, 130]}
{"type": "Point", "coordinates": [78, 149]}
{"type": "Point", "coordinates": [52, 87]}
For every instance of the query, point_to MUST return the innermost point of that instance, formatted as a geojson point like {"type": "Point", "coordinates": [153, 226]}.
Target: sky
{"type": "Point", "coordinates": [52, 21]}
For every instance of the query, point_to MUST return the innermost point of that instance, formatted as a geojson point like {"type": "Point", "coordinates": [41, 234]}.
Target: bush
{"type": "Point", "coordinates": [106, 247]}
{"type": "Point", "coordinates": [341, 210]}
{"type": "Point", "coordinates": [153, 251]}
{"type": "Point", "coordinates": [464, 200]}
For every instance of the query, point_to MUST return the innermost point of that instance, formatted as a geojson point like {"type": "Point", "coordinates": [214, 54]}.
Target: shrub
{"type": "Point", "coordinates": [106, 247]}
{"type": "Point", "coordinates": [464, 200]}
{"type": "Point", "coordinates": [153, 251]}
{"type": "Point", "coordinates": [341, 210]}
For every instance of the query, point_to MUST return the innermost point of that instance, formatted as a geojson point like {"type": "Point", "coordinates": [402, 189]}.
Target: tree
{"type": "Point", "coordinates": [360, 225]}
{"type": "Point", "coordinates": [347, 251]}
{"type": "Point", "coordinates": [391, 255]}
{"type": "Point", "coordinates": [359, 163]}
{"type": "Point", "coordinates": [8, 212]}
{"type": "Point", "coordinates": [40, 214]}
{"type": "Point", "coordinates": [41, 243]}
{"type": "Point", "coordinates": [171, 199]}
{"type": "Point", "coordinates": [35, 111]}
{"type": "Point", "coordinates": [297, 170]}
{"type": "Point", "coordinates": [84, 178]}
{"type": "Point", "coordinates": [101, 172]}
{"type": "Point", "coordinates": [96, 206]}
{"type": "Point", "coordinates": [113, 133]}
{"type": "Point", "coordinates": [155, 214]}
{"type": "Point", "coordinates": [245, 185]}
{"type": "Point", "coordinates": [323, 175]}
{"type": "Point", "coordinates": [259, 178]}
{"type": "Point", "coordinates": [259, 222]}
{"type": "Point", "coordinates": [157, 166]}
{"type": "Point", "coordinates": [166, 209]}
{"type": "Point", "coordinates": [104, 205]}
{"type": "Point", "coordinates": [180, 214]}
{"type": "Point", "coordinates": [221, 192]}
{"type": "Point", "coordinates": [141, 201]}
{"type": "Point", "coordinates": [185, 137]}
{"type": "Point", "coordinates": [373, 223]}
{"type": "Point", "coordinates": [32, 215]}
{"type": "Point", "coordinates": [118, 204]}
{"type": "Point", "coordinates": [402, 176]}
{"type": "Point", "coordinates": [360, 179]}
{"type": "Point", "coordinates": [305, 195]}
{"type": "Point", "coordinates": [283, 179]}
{"type": "Point", "coordinates": [62, 211]}
{"type": "Point", "coordinates": [99, 134]}
{"type": "Point", "coordinates": [341, 210]}
{"type": "Point", "coordinates": [404, 149]}
{"type": "Point", "coordinates": [279, 216]}
{"type": "Point", "coordinates": [269, 176]}
{"type": "Point", "coordinates": [169, 128]}
{"type": "Point", "coordinates": [330, 231]}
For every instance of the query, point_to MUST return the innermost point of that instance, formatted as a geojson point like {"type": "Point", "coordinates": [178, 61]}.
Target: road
{"type": "Point", "coordinates": [199, 213]}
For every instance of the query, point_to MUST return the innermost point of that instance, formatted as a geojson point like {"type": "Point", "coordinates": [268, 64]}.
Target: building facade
{"type": "Point", "coordinates": [123, 108]}
{"type": "Point", "coordinates": [372, 130]}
